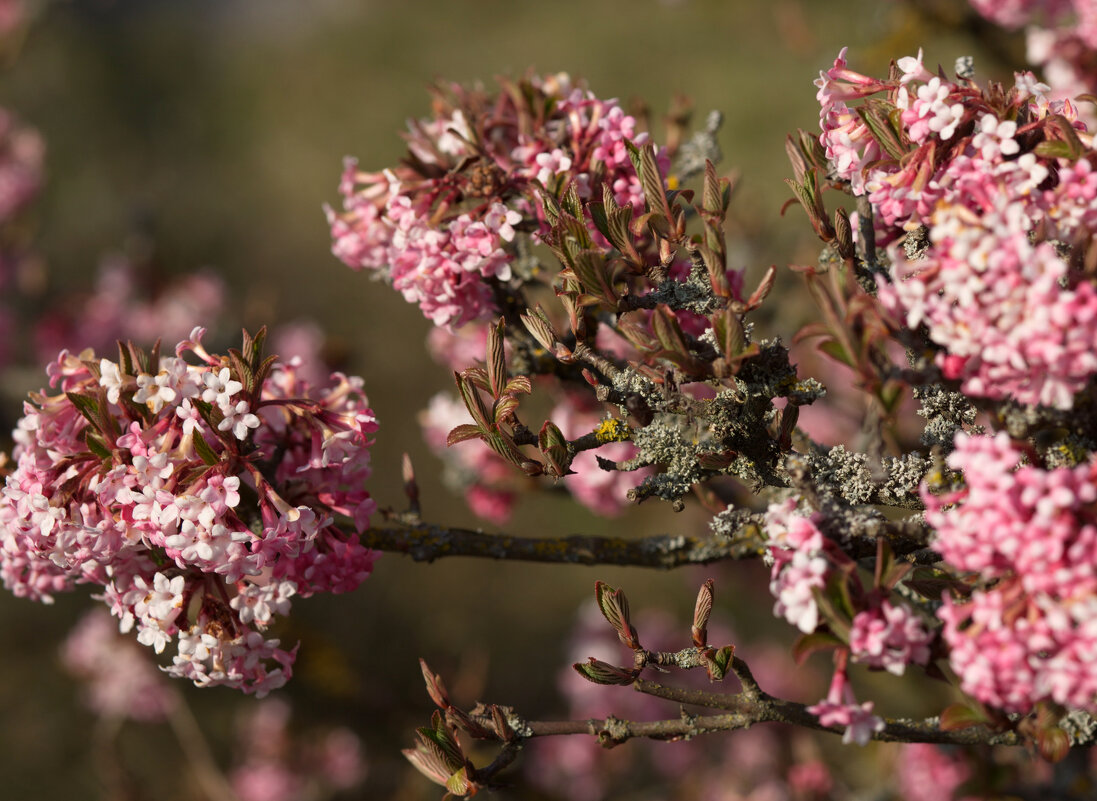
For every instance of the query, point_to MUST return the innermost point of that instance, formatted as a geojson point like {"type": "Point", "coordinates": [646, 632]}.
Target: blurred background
{"type": "Point", "coordinates": [183, 137]}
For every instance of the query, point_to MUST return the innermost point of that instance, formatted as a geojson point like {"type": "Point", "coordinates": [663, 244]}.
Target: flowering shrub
{"type": "Point", "coordinates": [602, 342]}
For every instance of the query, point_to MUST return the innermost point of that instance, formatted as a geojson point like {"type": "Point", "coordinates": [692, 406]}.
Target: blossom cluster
{"type": "Point", "coordinates": [119, 681]}
{"type": "Point", "coordinates": [119, 308]}
{"type": "Point", "coordinates": [1060, 37]}
{"type": "Point", "coordinates": [798, 564]}
{"type": "Point", "coordinates": [276, 766]}
{"type": "Point", "coordinates": [841, 708]}
{"type": "Point", "coordinates": [882, 635]}
{"type": "Point", "coordinates": [1028, 633]}
{"type": "Point", "coordinates": [21, 155]}
{"type": "Point", "coordinates": [987, 198]}
{"type": "Point", "coordinates": [440, 226]}
{"type": "Point", "coordinates": [200, 497]}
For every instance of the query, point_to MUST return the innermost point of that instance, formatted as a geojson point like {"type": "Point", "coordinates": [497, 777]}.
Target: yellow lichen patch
{"type": "Point", "coordinates": [612, 430]}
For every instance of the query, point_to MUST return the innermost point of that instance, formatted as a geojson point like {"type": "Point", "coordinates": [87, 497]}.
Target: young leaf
{"type": "Point", "coordinates": [962, 716]}
{"type": "Point", "coordinates": [614, 606]}
{"type": "Point", "coordinates": [87, 406]}
{"type": "Point", "coordinates": [497, 365]}
{"type": "Point", "coordinates": [96, 445]}
{"type": "Point", "coordinates": [465, 431]}
{"type": "Point", "coordinates": [435, 687]}
{"type": "Point", "coordinates": [718, 661]}
{"type": "Point", "coordinates": [473, 402]}
{"type": "Point", "coordinates": [701, 611]}
{"type": "Point", "coordinates": [205, 452]}
{"type": "Point", "coordinates": [605, 673]}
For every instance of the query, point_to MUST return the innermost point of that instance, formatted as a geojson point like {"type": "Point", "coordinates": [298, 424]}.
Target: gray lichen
{"type": "Point", "coordinates": [946, 412]}
{"type": "Point", "coordinates": [839, 473]}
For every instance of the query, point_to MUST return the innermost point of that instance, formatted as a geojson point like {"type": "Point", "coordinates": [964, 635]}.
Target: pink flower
{"type": "Point", "coordinates": [840, 708]}
{"type": "Point", "coordinates": [889, 637]}
{"type": "Point", "coordinates": [1030, 635]}
{"type": "Point", "coordinates": [148, 492]}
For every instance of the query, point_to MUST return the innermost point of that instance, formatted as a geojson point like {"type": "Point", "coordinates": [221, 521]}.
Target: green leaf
{"type": "Point", "coordinates": [833, 348]}
{"type": "Point", "coordinates": [875, 117]}
{"type": "Point", "coordinates": [520, 384]}
{"type": "Point", "coordinates": [600, 219]}
{"type": "Point", "coordinates": [665, 326]}
{"type": "Point", "coordinates": [459, 783]}
{"type": "Point", "coordinates": [473, 402]}
{"type": "Point", "coordinates": [1053, 744]}
{"type": "Point", "coordinates": [962, 716]}
{"type": "Point", "coordinates": [634, 156]}
{"type": "Point", "coordinates": [1053, 150]}
{"type": "Point", "coordinates": [96, 445]}
{"type": "Point", "coordinates": [440, 735]}
{"type": "Point", "coordinates": [255, 352]}
{"type": "Point", "coordinates": [87, 406]}
{"type": "Point", "coordinates": [701, 611]}
{"type": "Point", "coordinates": [554, 447]}
{"type": "Point", "coordinates": [712, 195]}
{"type": "Point", "coordinates": [571, 203]}
{"type": "Point", "coordinates": [652, 182]}
{"type": "Point", "coordinates": [503, 409]}
{"type": "Point", "coordinates": [551, 208]}
{"type": "Point", "coordinates": [205, 452]}
{"type": "Point", "coordinates": [536, 322]}
{"type": "Point", "coordinates": [125, 359]}
{"type": "Point", "coordinates": [614, 606]}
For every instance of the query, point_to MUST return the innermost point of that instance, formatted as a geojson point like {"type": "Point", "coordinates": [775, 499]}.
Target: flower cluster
{"type": "Point", "coordinates": [989, 190]}
{"type": "Point", "coordinates": [200, 497]}
{"type": "Point", "coordinates": [120, 682]}
{"type": "Point", "coordinates": [798, 565]}
{"type": "Point", "coordinates": [21, 155]}
{"type": "Point", "coordinates": [439, 226]}
{"type": "Point", "coordinates": [1061, 36]}
{"type": "Point", "coordinates": [119, 308]}
{"type": "Point", "coordinates": [889, 637]}
{"type": "Point", "coordinates": [275, 766]}
{"type": "Point", "coordinates": [840, 708]}
{"type": "Point", "coordinates": [1029, 631]}
{"type": "Point", "coordinates": [925, 772]}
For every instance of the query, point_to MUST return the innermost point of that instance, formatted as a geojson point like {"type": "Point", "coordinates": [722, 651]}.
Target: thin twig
{"type": "Point", "coordinates": [198, 753]}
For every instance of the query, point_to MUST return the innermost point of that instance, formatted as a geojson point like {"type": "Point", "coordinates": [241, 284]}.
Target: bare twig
{"type": "Point", "coordinates": [424, 542]}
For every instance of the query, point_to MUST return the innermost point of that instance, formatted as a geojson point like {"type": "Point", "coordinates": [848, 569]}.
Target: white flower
{"type": "Point", "coordinates": [239, 419]}
{"type": "Point", "coordinates": [111, 378]}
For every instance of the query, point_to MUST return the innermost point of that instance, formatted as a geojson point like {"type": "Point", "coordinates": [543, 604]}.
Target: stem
{"type": "Point", "coordinates": [425, 542]}
{"type": "Point", "coordinates": [198, 753]}
{"type": "Point", "coordinates": [613, 731]}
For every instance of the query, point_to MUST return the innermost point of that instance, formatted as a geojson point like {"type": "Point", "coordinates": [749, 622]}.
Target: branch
{"type": "Point", "coordinates": [767, 709]}
{"type": "Point", "coordinates": [744, 713]}
{"type": "Point", "coordinates": [425, 542]}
